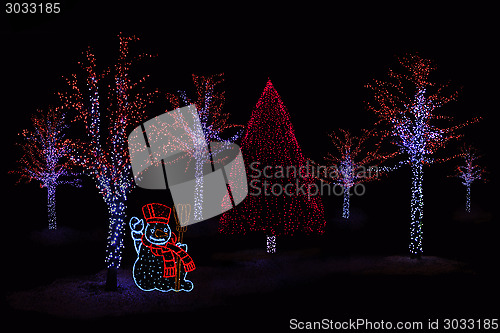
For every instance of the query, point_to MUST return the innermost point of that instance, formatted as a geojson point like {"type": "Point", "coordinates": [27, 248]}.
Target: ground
{"type": "Point", "coordinates": [242, 285]}
{"type": "Point", "coordinates": [245, 273]}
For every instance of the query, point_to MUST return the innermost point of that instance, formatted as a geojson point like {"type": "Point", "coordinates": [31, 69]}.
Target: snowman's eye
{"type": "Point", "coordinates": [152, 231]}
{"type": "Point", "coordinates": [165, 230]}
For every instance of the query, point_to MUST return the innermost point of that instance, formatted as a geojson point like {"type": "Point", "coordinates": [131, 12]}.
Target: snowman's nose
{"type": "Point", "coordinates": [159, 233]}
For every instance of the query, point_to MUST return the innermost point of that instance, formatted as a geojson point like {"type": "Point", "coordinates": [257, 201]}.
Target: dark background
{"type": "Point", "coordinates": [319, 58]}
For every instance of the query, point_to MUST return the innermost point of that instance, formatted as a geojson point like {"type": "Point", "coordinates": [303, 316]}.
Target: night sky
{"type": "Point", "coordinates": [318, 57]}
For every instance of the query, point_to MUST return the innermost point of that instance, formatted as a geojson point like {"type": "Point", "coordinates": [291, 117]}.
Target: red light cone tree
{"type": "Point", "coordinates": [279, 200]}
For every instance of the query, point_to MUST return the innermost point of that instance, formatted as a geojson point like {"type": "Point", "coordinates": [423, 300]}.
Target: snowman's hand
{"type": "Point", "coordinates": [136, 224]}
{"type": "Point", "coordinates": [136, 227]}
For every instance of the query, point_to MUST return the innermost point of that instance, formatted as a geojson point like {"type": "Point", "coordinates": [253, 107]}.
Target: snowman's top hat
{"type": "Point", "coordinates": [156, 213]}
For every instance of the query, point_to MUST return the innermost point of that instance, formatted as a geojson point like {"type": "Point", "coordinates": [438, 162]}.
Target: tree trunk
{"type": "Point", "coordinates": [417, 210]}
{"type": "Point", "coordinates": [111, 279]}
{"type": "Point", "coordinates": [271, 244]}
{"type": "Point", "coordinates": [51, 206]}
{"type": "Point", "coordinates": [198, 189]}
{"type": "Point", "coordinates": [345, 207]}
{"type": "Point", "coordinates": [200, 153]}
{"type": "Point", "coordinates": [116, 211]}
{"type": "Point", "coordinates": [467, 200]}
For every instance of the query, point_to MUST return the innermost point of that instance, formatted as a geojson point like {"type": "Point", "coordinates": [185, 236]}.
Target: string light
{"type": "Point", "coordinates": [104, 155]}
{"type": "Point", "coordinates": [410, 115]}
{"type": "Point", "coordinates": [45, 157]}
{"type": "Point", "coordinates": [469, 172]}
{"type": "Point", "coordinates": [270, 140]}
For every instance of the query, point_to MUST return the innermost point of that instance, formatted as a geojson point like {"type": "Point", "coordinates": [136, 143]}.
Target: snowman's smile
{"type": "Point", "coordinates": [157, 241]}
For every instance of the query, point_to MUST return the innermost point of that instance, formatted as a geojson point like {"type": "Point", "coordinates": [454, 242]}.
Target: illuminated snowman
{"type": "Point", "coordinates": [159, 253]}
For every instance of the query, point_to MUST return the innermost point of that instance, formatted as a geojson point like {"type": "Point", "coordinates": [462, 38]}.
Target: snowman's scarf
{"type": "Point", "coordinates": [168, 251]}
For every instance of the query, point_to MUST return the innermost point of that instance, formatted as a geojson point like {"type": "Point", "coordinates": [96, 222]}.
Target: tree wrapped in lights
{"type": "Point", "coordinates": [408, 103]}
{"type": "Point", "coordinates": [469, 172]}
{"type": "Point", "coordinates": [45, 157]}
{"type": "Point", "coordinates": [354, 163]}
{"type": "Point", "coordinates": [209, 103]}
{"type": "Point", "coordinates": [278, 203]}
{"type": "Point", "coordinates": [104, 155]}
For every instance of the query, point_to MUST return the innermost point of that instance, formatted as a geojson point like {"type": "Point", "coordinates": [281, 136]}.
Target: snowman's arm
{"type": "Point", "coordinates": [136, 227]}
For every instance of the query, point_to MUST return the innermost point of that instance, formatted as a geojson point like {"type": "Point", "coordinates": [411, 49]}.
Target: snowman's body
{"type": "Point", "coordinates": [158, 254]}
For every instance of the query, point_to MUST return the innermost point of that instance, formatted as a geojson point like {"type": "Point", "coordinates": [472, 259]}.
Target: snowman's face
{"type": "Point", "coordinates": [157, 233]}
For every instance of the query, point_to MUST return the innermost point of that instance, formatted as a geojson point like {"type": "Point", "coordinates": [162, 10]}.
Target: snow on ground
{"type": "Point", "coordinates": [240, 273]}
{"type": "Point", "coordinates": [63, 236]}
